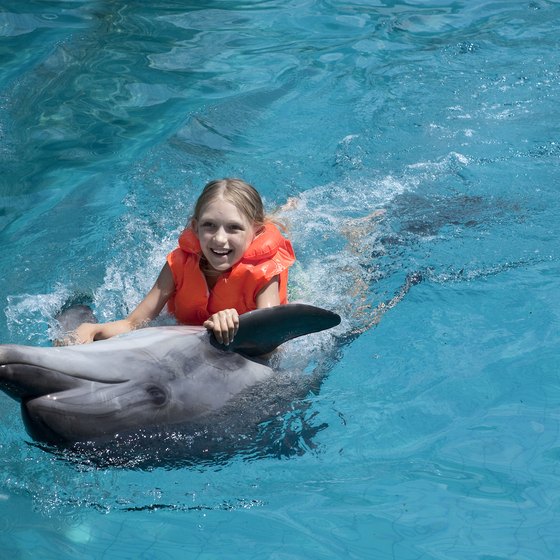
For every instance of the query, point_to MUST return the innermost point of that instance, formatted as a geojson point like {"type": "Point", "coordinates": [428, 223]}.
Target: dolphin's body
{"type": "Point", "coordinates": [152, 378]}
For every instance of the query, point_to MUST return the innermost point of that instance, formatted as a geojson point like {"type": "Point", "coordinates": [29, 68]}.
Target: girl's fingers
{"type": "Point", "coordinates": [224, 324]}
{"type": "Point", "coordinates": [233, 325]}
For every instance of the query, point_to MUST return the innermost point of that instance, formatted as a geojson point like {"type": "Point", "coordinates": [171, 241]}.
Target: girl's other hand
{"type": "Point", "coordinates": [224, 325]}
{"type": "Point", "coordinates": [86, 333]}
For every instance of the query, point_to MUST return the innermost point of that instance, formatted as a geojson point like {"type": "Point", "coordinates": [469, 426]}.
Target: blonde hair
{"type": "Point", "coordinates": [239, 193]}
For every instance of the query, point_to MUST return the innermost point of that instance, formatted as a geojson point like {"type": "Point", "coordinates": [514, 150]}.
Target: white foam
{"type": "Point", "coordinates": [336, 228]}
{"type": "Point", "coordinates": [31, 315]}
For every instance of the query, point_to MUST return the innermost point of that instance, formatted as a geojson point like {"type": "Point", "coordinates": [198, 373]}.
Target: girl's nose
{"type": "Point", "coordinates": [220, 236]}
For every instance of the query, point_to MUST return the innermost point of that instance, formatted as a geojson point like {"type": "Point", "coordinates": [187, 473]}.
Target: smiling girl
{"type": "Point", "coordinates": [231, 259]}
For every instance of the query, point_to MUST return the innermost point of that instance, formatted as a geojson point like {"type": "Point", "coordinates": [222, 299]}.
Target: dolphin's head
{"type": "Point", "coordinates": [175, 393]}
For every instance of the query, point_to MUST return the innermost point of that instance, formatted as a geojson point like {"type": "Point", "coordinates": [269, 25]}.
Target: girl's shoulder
{"type": "Point", "coordinates": [267, 243]}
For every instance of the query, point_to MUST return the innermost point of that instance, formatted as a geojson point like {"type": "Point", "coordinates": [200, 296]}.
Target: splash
{"type": "Point", "coordinates": [30, 316]}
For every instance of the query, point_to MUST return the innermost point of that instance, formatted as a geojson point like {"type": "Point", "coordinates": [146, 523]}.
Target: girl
{"type": "Point", "coordinates": [231, 259]}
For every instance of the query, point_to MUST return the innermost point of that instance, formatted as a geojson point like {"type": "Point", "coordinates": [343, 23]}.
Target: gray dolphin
{"type": "Point", "coordinates": [156, 377]}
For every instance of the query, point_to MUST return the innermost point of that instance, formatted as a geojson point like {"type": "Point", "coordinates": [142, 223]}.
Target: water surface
{"type": "Point", "coordinates": [433, 432]}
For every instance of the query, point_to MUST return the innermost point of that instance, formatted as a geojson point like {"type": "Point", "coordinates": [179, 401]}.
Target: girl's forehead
{"type": "Point", "coordinates": [221, 208]}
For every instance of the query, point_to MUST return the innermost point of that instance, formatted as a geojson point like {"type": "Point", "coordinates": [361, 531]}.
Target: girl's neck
{"type": "Point", "coordinates": [210, 274]}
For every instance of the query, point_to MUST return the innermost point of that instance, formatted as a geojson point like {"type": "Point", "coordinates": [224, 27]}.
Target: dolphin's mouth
{"type": "Point", "coordinates": [37, 428]}
{"type": "Point", "coordinates": [23, 381]}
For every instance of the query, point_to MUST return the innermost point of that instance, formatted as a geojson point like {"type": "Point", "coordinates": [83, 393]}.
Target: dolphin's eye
{"type": "Point", "coordinates": [157, 394]}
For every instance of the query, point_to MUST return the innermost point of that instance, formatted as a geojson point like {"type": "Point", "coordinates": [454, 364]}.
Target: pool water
{"type": "Point", "coordinates": [419, 144]}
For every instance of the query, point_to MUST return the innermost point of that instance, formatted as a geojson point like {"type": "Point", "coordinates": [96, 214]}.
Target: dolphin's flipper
{"type": "Point", "coordinates": [263, 330]}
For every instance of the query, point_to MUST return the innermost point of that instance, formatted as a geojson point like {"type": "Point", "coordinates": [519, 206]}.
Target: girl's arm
{"type": "Point", "coordinates": [148, 309]}
{"type": "Point", "coordinates": [269, 296]}
{"type": "Point", "coordinates": [225, 323]}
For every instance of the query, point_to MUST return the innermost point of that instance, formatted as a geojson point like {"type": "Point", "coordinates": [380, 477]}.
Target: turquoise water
{"type": "Point", "coordinates": [430, 426]}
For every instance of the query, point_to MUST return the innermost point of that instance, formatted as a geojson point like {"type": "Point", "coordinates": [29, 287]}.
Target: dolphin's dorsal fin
{"type": "Point", "coordinates": [263, 330]}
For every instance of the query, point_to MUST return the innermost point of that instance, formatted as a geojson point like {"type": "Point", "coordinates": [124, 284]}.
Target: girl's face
{"type": "Point", "coordinates": [224, 234]}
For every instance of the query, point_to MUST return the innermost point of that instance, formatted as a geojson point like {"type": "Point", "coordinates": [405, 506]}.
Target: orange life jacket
{"type": "Point", "coordinates": [269, 255]}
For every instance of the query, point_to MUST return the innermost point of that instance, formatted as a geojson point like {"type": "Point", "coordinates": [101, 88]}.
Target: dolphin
{"type": "Point", "coordinates": [152, 378]}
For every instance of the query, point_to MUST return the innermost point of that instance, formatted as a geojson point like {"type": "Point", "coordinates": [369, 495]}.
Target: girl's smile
{"type": "Point", "coordinates": [224, 234]}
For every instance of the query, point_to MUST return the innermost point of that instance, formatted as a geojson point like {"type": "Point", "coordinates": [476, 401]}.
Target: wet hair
{"type": "Point", "coordinates": [239, 193]}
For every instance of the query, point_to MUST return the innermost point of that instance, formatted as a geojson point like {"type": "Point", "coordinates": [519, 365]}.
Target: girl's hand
{"type": "Point", "coordinates": [224, 325]}
{"type": "Point", "coordinates": [85, 333]}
